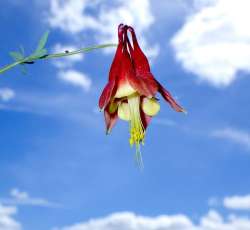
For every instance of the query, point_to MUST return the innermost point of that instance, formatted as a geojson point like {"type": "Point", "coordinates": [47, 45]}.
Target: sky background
{"type": "Point", "coordinates": [58, 169]}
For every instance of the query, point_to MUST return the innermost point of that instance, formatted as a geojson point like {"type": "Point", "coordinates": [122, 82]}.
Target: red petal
{"type": "Point", "coordinates": [110, 120]}
{"type": "Point", "coordinates": [144, 82]}
{"type": "Point", "coordinates": [116, 64]}
{"type": "Point", "coordinates": [145, 86]}
{"type": "Point", "coordinates": [140, 59]}
{"type": "Point", "coordinates": [106, 94]}
{"type": "Point", "coordinates": [148, 82]}
{"type": "Point", "coordinates": [167, 96]}
{"type": "Point", "coordinates": [114, 72]}
{"type": "Point", "coordinates": [142, 70]}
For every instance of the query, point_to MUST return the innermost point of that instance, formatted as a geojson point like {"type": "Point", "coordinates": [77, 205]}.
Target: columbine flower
{"type": "Point", "coordinates": [131, 89]}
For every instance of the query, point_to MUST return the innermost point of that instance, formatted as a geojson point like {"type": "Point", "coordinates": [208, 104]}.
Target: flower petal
{"type": "Point", "coordinates": [147, 84]}
{"type": "Point", "coordinates": [124, 89]}
{"type": "Point", "coordinates": [114, 72]}
{"type": "Point", "coordinates": [144, 85]}
{"type": "Point", "coordinates": [116, 64]}
{"type": "Point", "coordinates": [144, 82]}
{"type": "Point", "coordinates": [167, 96]}
{"type": "Point", "coordinates": [124, 86]}
{"type": "Point", "coordinates": [110, 120]}
{"type": "Point", "coordinates": [140, 59]}
{"type": "Point", "coordinates": [123, 111]}
{"type": "Point", "coordinates": [106, 94]}
{"type": "Point", "coordinates": [150, 106]}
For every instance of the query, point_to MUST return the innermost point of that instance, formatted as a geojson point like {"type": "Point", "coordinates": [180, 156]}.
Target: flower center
{"type": "Point", "coordinates": [137, 131]}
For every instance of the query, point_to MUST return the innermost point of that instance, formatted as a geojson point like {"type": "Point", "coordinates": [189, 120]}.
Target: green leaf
{"type": "Point", "coordinates": [41, 53]}
{"type": "Point", "coordinates": [23, 69]}
{"type": "Point", "coordinates": [38, 54]}
{"type": "Point", "coordinates": [42, 41]}
{"type": "Point", "coordinates": [16, 56]}
{"type": "Point", "coordinates": [22, 50]}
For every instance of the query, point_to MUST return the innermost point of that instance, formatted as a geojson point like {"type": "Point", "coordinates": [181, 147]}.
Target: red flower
{"type": "Point", "coordinates": [131, 89]}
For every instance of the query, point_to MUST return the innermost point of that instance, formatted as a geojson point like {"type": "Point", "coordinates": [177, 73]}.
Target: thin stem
{"type": "Point", "coordinates": [10, 66]}
{"type": "Point", "coordinates": [56, 55]}
{"type": "Point", "coordinates": [83, 50]}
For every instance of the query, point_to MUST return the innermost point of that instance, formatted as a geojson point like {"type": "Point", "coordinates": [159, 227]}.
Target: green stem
{"type": "Point", "coordinates": [56, 55]}
{"type": "Point", "coordinates": [10, 66]}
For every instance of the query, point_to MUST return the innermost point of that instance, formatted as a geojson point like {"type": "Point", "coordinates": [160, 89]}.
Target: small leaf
{"type": "Point", "coordinates": [22, 50]}
{"type": "Point", "coordinates": [43, 41]}
{"type": "Point", "coordinates": [23, 69]}
{"type": "Point", "coordinates": [16, 56]}
{"type": "Point", "coordinates": [38, 54]}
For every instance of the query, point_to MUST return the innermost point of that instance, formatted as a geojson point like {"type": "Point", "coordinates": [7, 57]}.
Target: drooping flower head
{"type": "Point", "coordinates": [131, 90]}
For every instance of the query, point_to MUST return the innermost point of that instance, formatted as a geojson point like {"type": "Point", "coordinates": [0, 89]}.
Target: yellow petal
{"type": "Point", "coordinates": [150, 106]}
{"type": "Point", "coordinates": [124, 90]}
{"type": "Point", "coordinates": [123, 111]}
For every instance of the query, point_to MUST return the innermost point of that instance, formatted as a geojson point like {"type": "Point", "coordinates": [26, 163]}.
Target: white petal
{"type": "Point", "coordinates": [124, 90]}
{"type": "Point", "coordinates": [123, 111]}
{"type": "Point", "coordinates": [150, 106]}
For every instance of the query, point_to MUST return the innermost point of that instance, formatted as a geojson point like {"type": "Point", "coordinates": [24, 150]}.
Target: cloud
{"type": "Point", "coordinates": [73, 17]}
{"type": "Point", "coordinates": [214, 41]}
{"type": "Point", "coordinates": [6, 218]}
{"type": "Point", "coordinates": [231, 202]}
{"type": "Point", "coordinates": [237, 202]}
{"type": "Point", "coordinates": [68, 61]}
{"type": "Point", "coordinates": [75, 78]}
{"type": "Point", "coordinates": [70, 16]}
{"type": "Point", "coordinates": [129, 221]}
{"type": "Point", "coordinates": [234, 135]}
{"type": "Point", "coordinates": [18, 197]}
{"type": "Point", "coordinates": [6, 94]}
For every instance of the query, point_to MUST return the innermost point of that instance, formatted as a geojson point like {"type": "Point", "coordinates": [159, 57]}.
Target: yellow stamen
{"type": "Point", "coordinates": [137, 131]}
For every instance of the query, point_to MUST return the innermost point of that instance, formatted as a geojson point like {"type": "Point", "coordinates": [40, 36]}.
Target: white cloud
{"type": "Point", "coordinates": [75, 78]}
{"type": "Point", "coordinates": [231, 202]}
{"type": "Point", "coordinates": [237, 202]}
{"type": "Point", "coordinates": [6, 94]}
{"type": "Point", "coordinates": [72, 17]}
{"type": "Point", "coordinates": [214, 42]}
{"type": "Point", "coordinates": [18, 197]}
{"type": "Point", "coordinates": [66, 61]}
{"type": "Point", "coordinates": [6, 218]}
{"type": "Point", "coordinates": [130, 221]}
{"type": "Point", "coordinates": [237, 136]}
{"type": "Point", "coordinates": [214, 221]}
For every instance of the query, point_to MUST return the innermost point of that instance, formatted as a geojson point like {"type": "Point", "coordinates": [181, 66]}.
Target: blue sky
{"type": "Point", "coordinates": [57, 166]}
